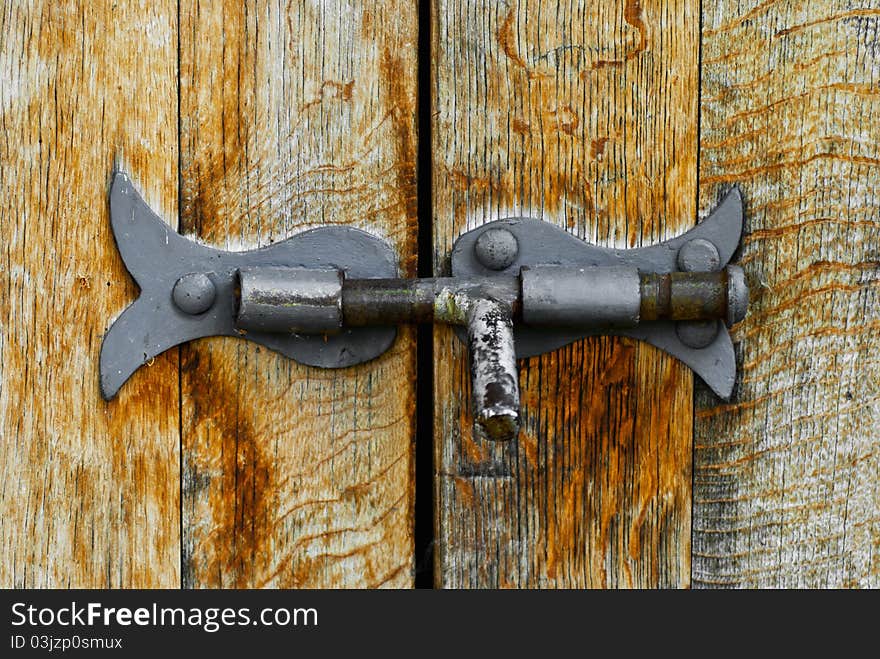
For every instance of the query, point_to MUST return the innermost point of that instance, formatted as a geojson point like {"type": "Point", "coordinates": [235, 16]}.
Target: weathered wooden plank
{"type": "Point", "coordinates": [786, 488]}
{"type": "Point", "coordinates": [89, 490]}
{"type": "Point", "coordinates": [584, 113]}
{"type": "Point", "coordinates": [295, 115]}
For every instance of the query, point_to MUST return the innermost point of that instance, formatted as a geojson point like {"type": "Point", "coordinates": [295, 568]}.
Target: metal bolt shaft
{"type": "Point", "coordinates": [307, 301]}
{"type": "Point", "coordinates": [671, 296]}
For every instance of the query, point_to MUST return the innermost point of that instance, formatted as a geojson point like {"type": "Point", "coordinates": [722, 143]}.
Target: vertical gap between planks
{"type": "Point", "coordinates": [424, 504]}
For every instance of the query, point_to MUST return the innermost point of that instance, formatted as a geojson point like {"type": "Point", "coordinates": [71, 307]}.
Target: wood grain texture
{"type": "Point", "coordinates": [584, 113]}
{"type": "Point", "coordinates": [89, 491]}
{"type": "Point", "coordinates": [296, 115]}
{"type": "Point", "coordinates": [786, 477]}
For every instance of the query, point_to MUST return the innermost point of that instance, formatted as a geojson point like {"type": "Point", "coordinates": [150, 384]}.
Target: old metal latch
{"type": "Point", "coordinates": [330, 297]}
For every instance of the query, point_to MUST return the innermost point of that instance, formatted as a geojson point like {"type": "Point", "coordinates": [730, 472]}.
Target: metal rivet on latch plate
{"type": "Point", "coordinates": [496, 249]}
{"type": "Point", "coordinates": [194, 293]}
{"type": "Point", "coordinates": [698, 255]}
{"type": "Point", "coordinates": [331, 297]}
{"type": "Point", "coordinates": [697, 333]}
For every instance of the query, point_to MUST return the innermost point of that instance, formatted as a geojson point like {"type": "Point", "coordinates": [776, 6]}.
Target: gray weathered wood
{"type": "Point", "coordinates": [786, 476]}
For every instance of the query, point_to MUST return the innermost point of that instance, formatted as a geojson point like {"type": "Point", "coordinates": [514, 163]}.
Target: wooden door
{"type": "Point", "coordinates": [622, 121]}
{"type": "Point", "coordinates": [221, 464]}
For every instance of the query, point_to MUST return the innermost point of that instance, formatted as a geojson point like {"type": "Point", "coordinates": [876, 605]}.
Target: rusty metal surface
{"type": "Point", "coordinates": [427, 300]}
{"type": "Point", "coordinates": [684, 296]}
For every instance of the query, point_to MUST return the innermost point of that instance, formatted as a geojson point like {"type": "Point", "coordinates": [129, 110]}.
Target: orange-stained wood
{"type": "Point", "coordinates": [89, 492]}
{"type": "Point", "coordinates": [785, 491]}
{"type": "Point", "coordinates": [585, 114]}
{"type": "Point", "coordinates": [297, 115]}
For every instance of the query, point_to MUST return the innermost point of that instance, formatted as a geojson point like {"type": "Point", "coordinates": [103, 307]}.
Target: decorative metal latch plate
{"type": "Point", "coordinates": [330, 297]}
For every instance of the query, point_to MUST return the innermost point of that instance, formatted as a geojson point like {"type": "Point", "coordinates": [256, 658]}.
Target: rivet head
{"type": "Point", "coordinates": [698, 255]}
{"type": "Point", "coordinates": [194, 293]}
{"type": "Point", "coordinates": [496, 249]}
{"type": "Point", "coordinates": [697, 334]}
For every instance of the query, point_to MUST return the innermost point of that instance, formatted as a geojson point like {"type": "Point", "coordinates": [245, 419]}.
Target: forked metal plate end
{"type": "Point", "coordinates": [542, 243]}
{"type": "Point", "coordinates": [166, 315]}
